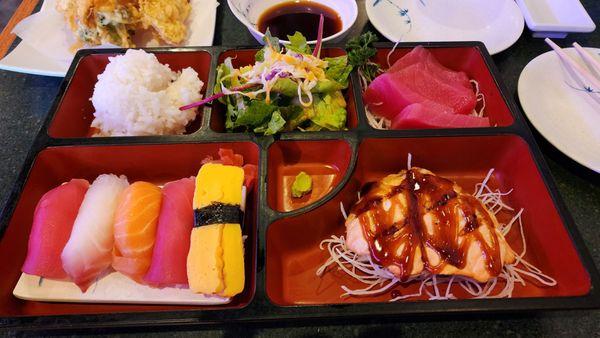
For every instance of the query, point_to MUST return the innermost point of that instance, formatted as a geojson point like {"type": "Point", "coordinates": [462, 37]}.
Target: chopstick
{"type": "Point", "coordinates": [7, 37]}
{"type": "Point", "coordinates": [587, 56]}
{"type": "Point", "coordinates": [568, 61]}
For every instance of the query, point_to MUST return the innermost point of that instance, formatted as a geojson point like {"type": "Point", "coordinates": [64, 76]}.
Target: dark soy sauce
{"type": "Point", "coordinates": [303, 16]}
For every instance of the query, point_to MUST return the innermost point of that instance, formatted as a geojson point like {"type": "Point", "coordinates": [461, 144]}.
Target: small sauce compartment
{"type": "Point", "coordinates": [292, 248]}
{"type": "Point", "coordinates": [469, 60]}
{"type": "Point", "coordinates": [325, 161]}
{"type": "Point", "coordinates": [154, 163]}
{"type": "Point", "coordinates": [74, 113]}
{"type": "Point", "coordinates": [245, 57]}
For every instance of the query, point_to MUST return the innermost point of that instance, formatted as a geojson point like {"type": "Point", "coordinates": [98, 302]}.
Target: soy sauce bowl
{"type": "Point", "coordinates": [248, 12]}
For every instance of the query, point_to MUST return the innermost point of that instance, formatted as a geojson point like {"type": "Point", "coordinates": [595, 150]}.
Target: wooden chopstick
{"type": "Point", "coordinates": [587, 56]}
{"type": "Point", "coordinates": [592, 81]}
{"type": "Point", "coordinates": [6, 37]}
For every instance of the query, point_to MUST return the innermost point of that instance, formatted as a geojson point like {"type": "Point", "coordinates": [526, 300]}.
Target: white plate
{"type": "Point", "coordinates": [556, 16]}
{"type": "Point", "coordinates": [498, 23]}
{"type": "Point", "coordinates": [26, 59]}
{"type": "Point", "coordinates": [560, 109]}
{"type": "Point", "coordinates": [113, 288]}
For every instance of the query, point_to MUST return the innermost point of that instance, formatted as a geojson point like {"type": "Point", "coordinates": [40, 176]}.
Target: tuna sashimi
{"type": "Point", "coordinates": [169, 257]}
{"type": "Point", "coordinates": [432, 115]}
{"type": "Point", "coordinates": [418, 79]}
{"type": "Point", "coordinates": [387, 97]}
{"type": "Point", "coordinates": [390, 93]}
{"type": "Point", "coordinates": [420, 82]}
{"type": "Point", "coordinates": [135, 229]}
{"type": "Point", "coordinates": [87, 254]}
{"type": "Point", "coordinates": [52, 224]}
{"type": "Point", "coordinates": [422, 55]}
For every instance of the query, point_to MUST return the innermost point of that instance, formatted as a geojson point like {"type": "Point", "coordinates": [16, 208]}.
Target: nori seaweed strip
{"type": "Point", "coordinates": [218, 213]}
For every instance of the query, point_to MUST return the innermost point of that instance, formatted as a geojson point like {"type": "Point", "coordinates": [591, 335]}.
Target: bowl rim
{"type": "Point", "coordinates": [256, 33]}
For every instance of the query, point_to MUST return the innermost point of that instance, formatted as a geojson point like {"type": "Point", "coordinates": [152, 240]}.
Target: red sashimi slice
{"type": "Point", "coordinates": [387, 96]}
{"type": "Point", "coordinates": [422, 55]}
{"type": "Point", "coordinates": [52, 224]}
{"type": "Point", "coordinates": [418, 79]}
{"type": "Point", "coordinates": [390, 93]}
{"type": "Point", "coordinates": [432, 115]}
{"type": "Point", "coordinates": [175, 222]}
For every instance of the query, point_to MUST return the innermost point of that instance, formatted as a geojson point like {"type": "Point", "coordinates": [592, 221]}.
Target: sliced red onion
{"type": "Point", "coordinates": [217, 96]}
{"type": "Point", "coordinates": [317, 51]}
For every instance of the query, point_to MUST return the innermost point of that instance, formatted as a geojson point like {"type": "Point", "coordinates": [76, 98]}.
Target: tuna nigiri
{"type": "Point", "coordinates": [52, 224]}
{"type": "Point", "coordinates": [135, 229]}
{"type": "Point", "coordinates": [168, 266]}
{"type": "Point", "coordinates": [87, 254]}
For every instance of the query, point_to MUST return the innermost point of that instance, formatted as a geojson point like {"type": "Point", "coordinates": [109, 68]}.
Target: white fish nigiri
{"type": "Point", "coordinates": [89, 249]}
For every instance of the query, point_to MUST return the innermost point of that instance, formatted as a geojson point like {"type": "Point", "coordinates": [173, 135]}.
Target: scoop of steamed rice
{"type": "Point", "coordinates": [136, 95]}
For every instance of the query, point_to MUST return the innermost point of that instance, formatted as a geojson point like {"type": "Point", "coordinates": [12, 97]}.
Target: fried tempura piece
{"type": "Point", "coordinates": [80, 16]}
{"type": "Point", "coordinates": [95, 22]}
{"type": "Point", "coordinates": [167, 17]}
{"type": "Point", "coordinates": [116, 20]}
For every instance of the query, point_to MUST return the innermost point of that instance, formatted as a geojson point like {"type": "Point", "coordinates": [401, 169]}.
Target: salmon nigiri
{"type": "Point", "coordinates": [135, 229]}
{"type": "Point", "coordinates": [52, 224]}
{"type": "Point", "coordinates": [168, 267]}
{"type": "Point", "coordinates": [87, 254]}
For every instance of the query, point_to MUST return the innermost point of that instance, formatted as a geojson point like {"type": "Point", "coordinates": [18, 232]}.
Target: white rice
{"type": "Point", "coordinates": [137, 95]}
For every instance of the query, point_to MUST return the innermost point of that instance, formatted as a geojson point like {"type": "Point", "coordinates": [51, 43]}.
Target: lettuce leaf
{"type": "Point", "coordinates": [338, 70]}
{"type": "Point", "coordinates": [289, 87]}
{"type": "Point", "coordinates": [257, 112]}
{"type": "Point", "coordinates": [230, 117]}
{"type": "Point", "coordinates": [275, 125]}
{"type": "Point", "coordinates": [327, 86]}
{"type": "Point", "coordinates": [285, 86]}
{"type": "Point", "coordinates": [271, 40]}
{"type": "Point", "coordinates": [298, 44]}
{"type": "Point", "coordinates": [260, 55]}
{"type": "Point", "coordinates": [330, 111]}
{"type": "Point", "coordinates": [222, 71]}
{"type": "Point", "coordinates": [295, 116]}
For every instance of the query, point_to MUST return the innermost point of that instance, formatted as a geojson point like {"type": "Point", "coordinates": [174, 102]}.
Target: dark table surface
{"type": "Point", "coordinates": [25, 100]}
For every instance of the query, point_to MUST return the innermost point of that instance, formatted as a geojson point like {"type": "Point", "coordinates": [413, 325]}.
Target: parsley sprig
{"type": "Point", "coordinates": [360, 51]}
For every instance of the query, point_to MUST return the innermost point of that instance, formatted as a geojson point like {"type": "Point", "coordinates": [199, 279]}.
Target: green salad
{"type": "Point", "coordinates": [288, 87]}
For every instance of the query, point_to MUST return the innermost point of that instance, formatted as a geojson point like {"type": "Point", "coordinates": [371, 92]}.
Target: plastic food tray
{"type": "Point", "coordinates": [282, 249]}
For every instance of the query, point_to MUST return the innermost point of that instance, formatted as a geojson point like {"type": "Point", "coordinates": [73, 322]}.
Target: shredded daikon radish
{"type": "Point", "coordinates": [390, 54]}
{"type": "Point", "coordinates": [480, 100]}
{"type": "Point", "coordinates": [377, 122]}
{"type": "Point", "coordinates": [379, 280]}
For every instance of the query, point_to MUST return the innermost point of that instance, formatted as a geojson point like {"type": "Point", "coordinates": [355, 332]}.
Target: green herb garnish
{"type": "Point", "coordinates": [360, 51]}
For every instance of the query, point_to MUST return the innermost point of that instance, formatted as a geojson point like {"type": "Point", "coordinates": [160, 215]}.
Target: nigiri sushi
{"type": "Point", "coordinates": [52, 224]}
{"type": "Point", "coordinates": [215, 263]}
{"type": "Point", "coordinates": [87, 254]}
{"type": "Point", "coordinates": [135, 229]}
{"type": "Point", "coordinates": [168, 266]}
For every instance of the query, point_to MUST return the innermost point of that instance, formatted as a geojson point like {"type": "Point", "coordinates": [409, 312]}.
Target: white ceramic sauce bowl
{"type": "Point", "coordinates": [248, 12]}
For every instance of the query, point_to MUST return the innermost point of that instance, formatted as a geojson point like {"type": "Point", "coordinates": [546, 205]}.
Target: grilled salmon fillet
{"type": "Point", "coordinates": [415, 222]}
